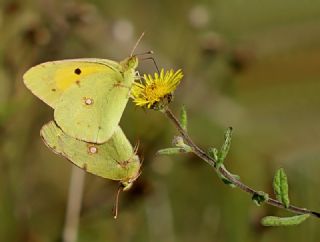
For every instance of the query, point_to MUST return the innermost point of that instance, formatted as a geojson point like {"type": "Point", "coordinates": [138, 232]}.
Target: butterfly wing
{"type": "Point", "coordinates": [91, 110]}
{"type": "Point", "coordinates": [114, 159]}
{"type": "Point", "coordinates": [50, 80]}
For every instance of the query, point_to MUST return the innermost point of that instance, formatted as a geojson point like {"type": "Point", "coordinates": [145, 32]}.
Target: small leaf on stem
{"type": "Point", "coordinates": [260, 197]}
{"type": "Point", "coordinates": [179, 142]}
{"type": "Point", "coordinates": [226, 180]}
{"type": "Point", "coordinates": [171, 151]}
{"type": "Point", "coordinates": [280, 186]}
{"type": "Point", "coordinates": [226, 145]}
{"type": "Point", "coordinates": [284, 221]}
{"type": "Point", "coordinates": [214, 153]}
{"type": "Point", "coordinates": [183, 118]}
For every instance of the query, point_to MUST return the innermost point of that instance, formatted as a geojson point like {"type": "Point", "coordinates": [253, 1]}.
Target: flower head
{"type": "Point", "coordinates": [156, 92]}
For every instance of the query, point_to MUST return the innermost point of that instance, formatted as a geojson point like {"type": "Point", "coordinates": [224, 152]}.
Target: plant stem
{"type": "Point", "coordinates": [204, 156]}
{"type": "Point", "coordinates": [71, 224]}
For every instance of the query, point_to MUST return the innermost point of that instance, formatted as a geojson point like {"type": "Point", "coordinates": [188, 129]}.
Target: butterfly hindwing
{"type": "Point", "coordinates": [114, 159]}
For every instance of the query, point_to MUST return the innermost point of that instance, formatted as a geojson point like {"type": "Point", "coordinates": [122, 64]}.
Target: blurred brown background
{"type": "Point", "coordinates": [253, 65]}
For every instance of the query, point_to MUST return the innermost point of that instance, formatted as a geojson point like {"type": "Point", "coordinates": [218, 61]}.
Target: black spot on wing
{"type": "Point", "coordinates": [77, 71]}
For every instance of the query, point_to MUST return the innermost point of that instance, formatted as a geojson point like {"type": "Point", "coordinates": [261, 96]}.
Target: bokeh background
{"type": "Point", "coordinates": [253, 65]}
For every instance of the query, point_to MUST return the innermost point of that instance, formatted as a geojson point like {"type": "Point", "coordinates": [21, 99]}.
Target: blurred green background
{"type": "Point", "coordinates": [253, 65]}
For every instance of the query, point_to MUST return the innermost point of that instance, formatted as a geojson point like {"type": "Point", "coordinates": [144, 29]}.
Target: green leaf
{"type": "Point", "coordinates": [226, 180]}
{"type": "Point", "coordinates": [183, 118]}
{"type": "Point", "coordinates": [284, 221]}
{"type": "Point", "coordinates": [171, 151]}
{"type": "Point", "coordinates": [222, 154]}
{"type": "Point", "coordinates": [179, 142]}
{"type": "Point", "coordinates": [260, 197]}
{"type": "Point", "coordinates": [226, 145]}
{"type": "Point", "coordinates": [280, 186]}
{"type": "Point", "coordinates": [214, 153]}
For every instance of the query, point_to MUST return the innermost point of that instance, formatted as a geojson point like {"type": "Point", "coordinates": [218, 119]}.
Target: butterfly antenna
{"type": "Point", "coordinates": [149, 52]}
{"type": "Point", "coordinates": [116, 202]}
{"type": "Point", "coordinates": [136, 44]}
{"type": "Point", "coordinates": [154, 62]}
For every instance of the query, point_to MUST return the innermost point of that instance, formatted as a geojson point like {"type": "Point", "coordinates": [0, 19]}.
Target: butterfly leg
{"type": "Point", "coordinates": [122, 164]}
{"type": "Point", "coordinates": [137, 76]}
{"type": "Point", "coordinates": [119, 84]}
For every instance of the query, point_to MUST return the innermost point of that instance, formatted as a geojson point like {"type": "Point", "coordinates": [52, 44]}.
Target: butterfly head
{"type": "Point", "coordinates": [130, 63]}
{"type": "Point", "coordinates": [136, 172]}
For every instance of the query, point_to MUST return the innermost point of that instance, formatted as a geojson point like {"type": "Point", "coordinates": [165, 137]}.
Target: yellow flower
{"type": "Point", "coordinates": [156, 92]}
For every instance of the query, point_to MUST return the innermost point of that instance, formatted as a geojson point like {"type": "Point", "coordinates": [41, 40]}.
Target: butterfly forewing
{"type": "Point", "coordinates": [50, 80]}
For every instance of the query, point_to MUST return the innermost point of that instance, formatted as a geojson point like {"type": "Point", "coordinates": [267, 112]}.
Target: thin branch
{"type": "Point", "coordinates": [70, 230]}
{"type": "Point", "coordinates": [204, 156]}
